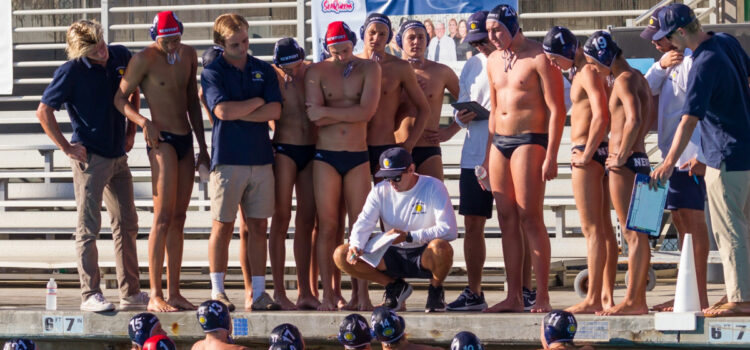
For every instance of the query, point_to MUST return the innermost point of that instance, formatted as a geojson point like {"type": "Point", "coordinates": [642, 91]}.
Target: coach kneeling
{"type": "Point", "coordinates": [418, 209]}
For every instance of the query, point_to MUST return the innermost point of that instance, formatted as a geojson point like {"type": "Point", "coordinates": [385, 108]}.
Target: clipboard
{"type": "Point", "coordinates": [376, 248]}
{"type": "Point", "coordinates": [482, 113]}
{"type": "Point", "coordinates": [646, 206]}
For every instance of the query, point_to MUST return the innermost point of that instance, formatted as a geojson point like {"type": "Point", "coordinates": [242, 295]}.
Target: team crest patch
{"type": "Point", "coordinates": [120, 71]}
{"type": "Point", "coordinates": [386, 163]}
{"type": "Point", "coordinates": [349, 336]}
{"type": "Point", "coordinates": [419, 208]}
{"type": "Point", "coordinates": [651, 22]}
{"type": "Point", "coordinates": [257, 75]}
{"type": "Point", "coordinates": [473, 26]}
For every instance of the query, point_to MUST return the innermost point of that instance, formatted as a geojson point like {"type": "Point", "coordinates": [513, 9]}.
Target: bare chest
{"type": "Point", "coordinates": [167, 77]}
{"type": "Point", "coordinates": [521, 76]}
{"type": "Point", "coordinates": [336, 87]}
{"type": "Point", "coordinates": [433, 85]}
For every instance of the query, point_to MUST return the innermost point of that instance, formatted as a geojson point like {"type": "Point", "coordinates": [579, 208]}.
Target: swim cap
{"type": "Point", "coordinates": [288, 333]}
{"type": "Point", "coordinates": [141, 326]}
{"type": "Point", "coordinates": [211, 53]}
{"type": "Point", "coordinates": [477, 26]}
{"type": "Point", "coordinates": [376, 18]}
{"type": "Point", "coordinates": [410, 24]}
{"type": "Point", "coordinates": [282, 345]}
{"type": "Point", "coordinates": [505, 15]}
{"type": "Point", "coordinates": [159, 342]}
{"type": "Point", "coordinates": [560, 41]}
{"type": "Point", "coordinates": [387, 326]}
{"type": "Point", "coordinates": [339, 32]}
{"type": "Point", "coordinates": [165, 24]}
{"type": "Point", "coordinates": [213, 315]}
{"type": "Point", "coordinates": [465, 341]}
{"type": "Point", "coordinates": [354, 332]}
{"type": "Point", "coordinates": [602, 48]}
{"type": "Point", "coordinates": [287, 51]}
{"type": "Point", "coordinates": [559, 326]}
{"type": "Point", "coordinates": [19, 344]}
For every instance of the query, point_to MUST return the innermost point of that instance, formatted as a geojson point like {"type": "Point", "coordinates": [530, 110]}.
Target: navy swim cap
{"type": "Point", "coordinates": [19, 344]}
{"type": "Point", "coordinates": [376, 18]}
{"type": "Point", "coordinates": [410, 24]}
{"type": "Point", "coordinates": [288, 333]}
{"type": "Point", "coordinates": [282, 345]}
{"type": "Point", "coordinates": [466, 341]}
{"type": "Point", "coordinates": [211, 53]}
{"type": "Point", "coordinates": [354, 332]}
{"type": "Point", "coordinates": [287, 51]}
{"type": "Point", "coordinates": [560, 41]}
{"type": "Point", "coordinates": [507, 16]}
{"type": "Point", "coordinates": [602, 48]}
{"type": "Point", "coordinates": [559, 326]}
{"type": "Point", "coordinates": [141, 326]}
{"type": "Point", "coordinates": [213, 315]}
{"type": "Point", "coordinates": [159, 342]}
{"type": "Point", "coordinates": [387, 326]}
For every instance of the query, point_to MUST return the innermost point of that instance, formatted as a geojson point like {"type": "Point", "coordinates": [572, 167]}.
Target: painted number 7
{"type": "Point", "coordinates": [559, 36]}
{"type": "Point", "coordinates": [742, 331]}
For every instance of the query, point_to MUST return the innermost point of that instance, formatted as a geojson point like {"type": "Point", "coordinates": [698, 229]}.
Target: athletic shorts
{"type": "Point", "coordinates": [405, 263]}
{"type": "Point", "coordinates": [684, 192]}
{"type": "Point", "coordinates": [473, 200]}
{"type": "Point", "coordinates": [250, 186]}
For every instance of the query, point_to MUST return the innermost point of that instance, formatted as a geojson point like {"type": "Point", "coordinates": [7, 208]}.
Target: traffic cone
{"type": "Point", "coordinates": [686, 293]}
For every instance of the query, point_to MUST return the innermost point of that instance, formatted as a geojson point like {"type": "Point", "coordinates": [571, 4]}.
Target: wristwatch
{"type": "Point", "coordinates": [409, 238]}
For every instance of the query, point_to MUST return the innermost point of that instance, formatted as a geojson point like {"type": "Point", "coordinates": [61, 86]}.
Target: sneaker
{"type": "Point", "coordinates": [435, 299]}
{"type": "Point", "coordinates": [396, 293]}
{"type": "Point", "coordinates": [529, 299]}
{"type": "Point", "coordinates": [265, 303]}
{"type": "Point", "coordinates": [468, 301]}
{"type": "Point", "coordinates": [222, 297]}
{"type": "Point", "coordinates": [97, 303]}
{"type": "Point", "coordinates": [136, 301]}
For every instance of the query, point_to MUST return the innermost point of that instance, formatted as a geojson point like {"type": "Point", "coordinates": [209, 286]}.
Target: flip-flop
{"type": "Point", "coordinates": [727, 311]}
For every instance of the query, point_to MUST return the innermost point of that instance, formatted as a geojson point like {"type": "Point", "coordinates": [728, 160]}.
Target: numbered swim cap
{"type": "Point", "coordinates": [282, 345]}
{"type": "Point", "coordinates": [560, 41]}
{"type": "Point", "coordinates": [559, 326]}
{"type": "Point", "coordinates": [159, 342]}
{"type": "Point", "coordinates": [141, 326]}
{"type": "Point", "coordinates": [466, 341]}
{"type": "Point", "coordinates": [19, 344]}
{"type": "Point", "coordinates": [288, 333]}
{"type": "Point", "coordinates": [354, 332]}
{"type": "Point", "coordinates": [213, 315]}
{"type": "Point", "coordinates": [507, 16]}
{"type": "Point", "coordinates": [387, 326]}
{"type": "Point", "coordinates": [602, 48]}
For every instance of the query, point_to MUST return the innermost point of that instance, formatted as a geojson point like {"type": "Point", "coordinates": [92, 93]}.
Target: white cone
{"type": "Point", "coordinates": [686, 293]}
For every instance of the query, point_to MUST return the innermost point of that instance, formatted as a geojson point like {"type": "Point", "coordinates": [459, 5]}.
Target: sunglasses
{"type": "Point", "coordinates": [669, 36]}
{"type": "Point", "coordinates": [479, 43]}
{"type": "Point", "coordinates": [395, 179]}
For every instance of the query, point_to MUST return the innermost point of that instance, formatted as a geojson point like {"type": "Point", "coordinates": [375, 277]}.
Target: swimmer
{"type": "Point", "coordinates": [558, 330]}
{"type": "Point", "coordinates": [466, 341]}
{"type": "Point", "coordinates": [142, 327]}
{"type": "Point", "coordinates": [287, 333]}
{"type": "Point", "coordinates": [355, 333]}
{"type": "Point", "coordinates": [214, 319]}
{"type": "Point", "coordinates": [390, 329]}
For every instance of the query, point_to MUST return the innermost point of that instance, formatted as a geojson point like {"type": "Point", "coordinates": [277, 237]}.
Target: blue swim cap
{"type": "Point", "coordinates": [354, 332]}
{"type": "Point", "coordinates": [376, 18]}
{"type": "Point", "coordinates": [213, 315]}
{"type": "Point", "coordinates": [602, 48]}
{"type": "Point", "coordinates": [141, 326]}
{"type": "Point", "coordinates": [466, 341]}
{"type": "Point", "coordinates": [288, 333]}
{"type": "Point", "coordinates": [282, 345]}
{"type": "Point", "coordinates": [287, 51]}
{"type": "Point", "coordinates": [19, 344]}
{"type": "Point", "coordinates": [387, 326]}
{"type": "Point", "coordinates": [559, 326]}
{"type": "Point", "coordinates": [410, 24]}
{"type": "Point", "coordinates": [560, 41]}
{"type": "Point", "coordinates": [507, 16]}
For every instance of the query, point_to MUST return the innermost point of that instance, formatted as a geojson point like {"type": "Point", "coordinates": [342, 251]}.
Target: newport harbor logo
{"type": "Point", "coordinates": [337, 6]}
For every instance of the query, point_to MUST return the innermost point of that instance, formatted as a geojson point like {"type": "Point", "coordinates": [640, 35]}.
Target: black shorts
{"type": "Point", "coordinates": [405, 263]}
{"type": "Point", "coordinates": [473, 200]}
{"type": "Point", "coordinates": [684, 192]}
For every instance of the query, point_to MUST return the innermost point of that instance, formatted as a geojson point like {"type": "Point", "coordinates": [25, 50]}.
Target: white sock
{"type": "Point", "coordinates": [217, 283]}
{"type": "Point", "coordinates": [259, 286]}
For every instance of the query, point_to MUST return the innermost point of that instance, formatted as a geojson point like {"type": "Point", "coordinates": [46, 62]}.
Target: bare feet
{"type": "Point", "coordinates": [625, 308]}
{"type": "Point", "coordinates": [248, 302]}
{"type": "Point", "coordinates": [307, 303]}
{"type": "Point", "coordinates": [343, 305]}
{"type": "Point", "coordinates": [284, 302]}
{"type": "Point", "coordinates": [508, 305]}
{"type": "Point", "coordinates": [157, 304]}
{"type": "Point", "coordinates": [179, 302]}
{"type": "Point", "coordinates": [729, 309]}
{"type": "Point", "coordinates": [585, 307]}
{"type": "Point", "coordinates": [664, 307]}
{"type": "Point", "coordinates": [328, 304]}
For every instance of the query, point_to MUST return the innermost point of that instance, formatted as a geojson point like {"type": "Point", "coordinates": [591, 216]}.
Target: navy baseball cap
{"type": "Point", "coordinates": [477, 26]}
{"type": "Point", "coordinates": [560, 41]}
{"type": "Point", "coordinates": [673, 17]}
{"type": "Point", "coordinates": [653, 24]}
{"type": "Point", "coordinates": [393, 162]}
{"type": "Point", "coordinates": [601, 47]}
{"type": "Point", "coordinates": [559, 326]}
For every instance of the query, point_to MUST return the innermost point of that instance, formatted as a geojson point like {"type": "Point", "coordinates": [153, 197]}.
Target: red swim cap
{"type": "Point", "coordinates": [338, 32]}
{"type": "Point", "coordinates": [166, 24]}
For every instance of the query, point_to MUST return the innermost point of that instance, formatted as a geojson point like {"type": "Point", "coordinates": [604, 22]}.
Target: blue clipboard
{"type": "Point", "coordinates": [646, 206]}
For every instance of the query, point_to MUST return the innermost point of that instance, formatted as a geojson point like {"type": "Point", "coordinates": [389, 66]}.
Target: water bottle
{"type": "Point", "coordinates": [203, 172]}
{"type": "Point", "coordinates": [51, 294]}
{"type": "Point", "coordinates": [481, 174]}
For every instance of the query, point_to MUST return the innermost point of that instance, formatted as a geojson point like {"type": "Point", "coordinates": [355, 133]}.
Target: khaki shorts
{"type": "Point", "coordinates": [250, 186]}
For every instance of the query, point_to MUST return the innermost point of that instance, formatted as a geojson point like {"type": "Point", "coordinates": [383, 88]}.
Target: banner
{"type": "Point", "coordinates": [6, 48]}
{"type": "Point", "coordinates": [445, 20]}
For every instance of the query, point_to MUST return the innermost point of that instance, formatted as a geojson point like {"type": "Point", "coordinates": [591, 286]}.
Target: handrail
{"type": "Point", "coordinates": [256, 5]}
{"type": "Point", "coordinates": [252, 23]}
{"type": "Point", "coordinates": [581, 14]}
{"type": "Point", "coordinates": [57, 11]}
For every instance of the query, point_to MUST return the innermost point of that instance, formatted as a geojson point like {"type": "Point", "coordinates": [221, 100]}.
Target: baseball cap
{"type": "Point", "coordinates": [354, 332]}
{"type": "Point", "coordinates": [141, 326]}
{"type": "Point", "coordinates": [653, 24]}
{"type": "Point", "coordinates": [477, 26]}
{"type": "Point", "coordinates": [601, 47]}
{"type": "Point", "coordinates": [673, 17]}
{"type": "Point", "coordinates": [559, 326]}
{"type": "Point", "coordinates": [393, 162]}
{"type": "Point", "coordinates": [560, 41]}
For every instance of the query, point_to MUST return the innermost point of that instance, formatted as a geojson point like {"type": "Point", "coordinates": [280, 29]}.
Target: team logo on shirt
{"type": "Point", "coordinates": [120, 71]}
{"type": "Point", "coordinates": [419, 208]}
{"type": "Point", "coordinates": [257, 75]}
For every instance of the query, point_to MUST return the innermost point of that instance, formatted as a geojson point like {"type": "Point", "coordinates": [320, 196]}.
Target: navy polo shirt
{"type": "Point", "coordinates": [88, 90]}
{"type": "Point", "coordinates": [718, 94]}
{"type": "Point", "coordinates": [239, 142]}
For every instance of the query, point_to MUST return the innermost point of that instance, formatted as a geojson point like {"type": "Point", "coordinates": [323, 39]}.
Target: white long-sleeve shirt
{"type": "Point", "coordinates": [425, 210]}
{"type": "Point", "coordinates": [671, 86]}
{"type": "Point", "coordinates": [474, 86]}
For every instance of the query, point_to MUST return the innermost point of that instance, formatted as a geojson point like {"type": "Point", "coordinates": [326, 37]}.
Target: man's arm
{"type": "Point", "coordinates": [240, 110]}
{"type": "Point", "coordinates": [415, 125]}
{"type": "Point", "coordinates": [134, 75]}
{"type": "Point", "coordinates": [680, 141]}
{"type": "Point", "coordinates": [493, 111]}
{"type": "Point", "coordinates": [358, 113]}
{"type": "Point", "coordinates": [46, 115]}
{"type": "Point", "coordinates": [445, 219]}
{"type": "Point", "coordinates": [366, 221]}
{"type": "Point", "coordinates": [194, 113]}
{"type": "Point", "coordinates": [215, 98]}
{"type": "Point", "coordinates": [553, 91]}
{"type": "Point", "coordinates": [633, 119]}
{"type": "Point", "coordinates": [594, 87]}
{"type": "Point", "coordinates": [130, 127]}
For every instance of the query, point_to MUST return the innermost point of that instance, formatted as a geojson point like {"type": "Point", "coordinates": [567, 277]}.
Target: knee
{"type": "Point", "coordinates": [282, 215]}
{"type": "Point", "coordinates": [339, 256]}
{"type": "Point", "coordinates": [440, 248]}
{"type": "Point", "coordinates": [163, 219]}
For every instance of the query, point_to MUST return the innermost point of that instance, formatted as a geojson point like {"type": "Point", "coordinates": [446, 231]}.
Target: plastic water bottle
{"type": "Point", "coordinates": [51, 294]}
{"type": "Point", "coordinates": [481, 174]}
{"type": "Point", "coordinates": [203, 172]}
